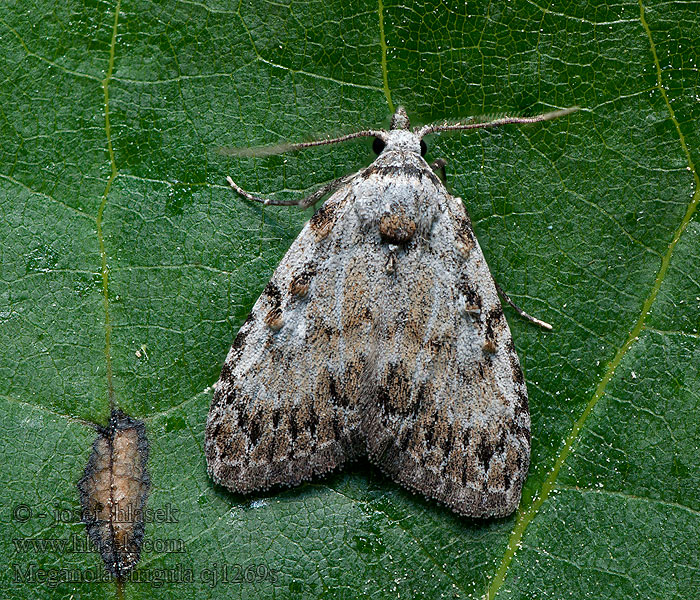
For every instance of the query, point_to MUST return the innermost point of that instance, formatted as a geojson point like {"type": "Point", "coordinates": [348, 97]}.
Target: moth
{"type": "Point", "coordinates": [380, 334]}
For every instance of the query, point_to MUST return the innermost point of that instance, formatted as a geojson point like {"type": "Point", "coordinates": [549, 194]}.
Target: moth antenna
{"type": "Point", "coordinates": [425, 130]}
{"type": "Point", "coordinates": [287, 147]}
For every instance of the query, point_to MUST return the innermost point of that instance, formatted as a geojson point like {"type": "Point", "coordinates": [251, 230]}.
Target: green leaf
{"type": "Point", "coordinates": [127, 266]}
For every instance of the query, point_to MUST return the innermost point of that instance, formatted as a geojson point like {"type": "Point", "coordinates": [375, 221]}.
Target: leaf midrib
{"type": "Point", "coordinates": [103, 204]}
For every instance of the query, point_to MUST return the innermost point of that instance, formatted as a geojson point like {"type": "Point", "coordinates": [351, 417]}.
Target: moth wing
{"type": "Point", "coordinates": [279, 415]}
{"type": "Point", "coordinates": [449, 413]}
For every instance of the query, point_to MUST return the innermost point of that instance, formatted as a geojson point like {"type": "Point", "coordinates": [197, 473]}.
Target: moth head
{"type": "Point", "coordinates": [399, 137]}
{"type": "Point", "coordinates": [380, 143]}
{"type": "Point", "coordinates": [399, 140]}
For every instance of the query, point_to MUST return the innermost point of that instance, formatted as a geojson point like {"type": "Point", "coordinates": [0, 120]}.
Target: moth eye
{"type": "Point", "coordinates": [423, 148]}
{"type": "Point", "coordinates": [378, 145]}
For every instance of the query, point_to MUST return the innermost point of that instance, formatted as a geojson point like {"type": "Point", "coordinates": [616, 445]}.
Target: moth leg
{"type": "Point", "coordinates": [305, 202]}
{"type": "Point", "coordinates": [439, 167]}
{"type": "Point", "coordinates": [521, 312]}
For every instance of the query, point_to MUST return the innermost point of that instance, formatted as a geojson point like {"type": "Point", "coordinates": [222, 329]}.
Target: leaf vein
{"type": "Point", "coordinates": [627, 496]}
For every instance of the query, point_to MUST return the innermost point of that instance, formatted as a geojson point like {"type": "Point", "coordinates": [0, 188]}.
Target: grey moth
{"type": "Point", "coordinates": [380, 334]}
